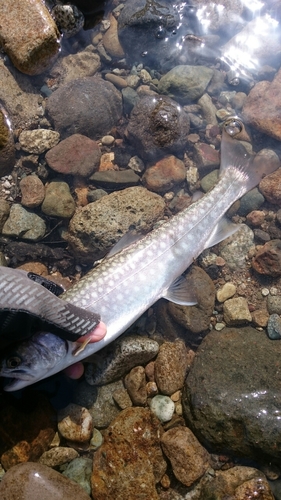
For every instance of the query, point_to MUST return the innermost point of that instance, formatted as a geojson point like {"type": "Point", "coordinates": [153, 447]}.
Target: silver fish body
{"type": "Point", "coordinates": [126, 284]}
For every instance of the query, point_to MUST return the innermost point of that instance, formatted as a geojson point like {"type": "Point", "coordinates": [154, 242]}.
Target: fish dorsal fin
{"type": "Point", "coordinates": [179, 292]}
{"type": "Point", "coordinates": [125, 241]}
{"type": "Point", "coordinates": [221, 231]}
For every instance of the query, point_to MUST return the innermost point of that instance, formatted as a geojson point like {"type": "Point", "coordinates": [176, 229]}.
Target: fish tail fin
{"type": "Point", "coordinates": [252, 168]}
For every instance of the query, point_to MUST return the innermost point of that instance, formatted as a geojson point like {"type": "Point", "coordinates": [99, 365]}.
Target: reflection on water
{"type": "Point", "coordinates": [136, 83]}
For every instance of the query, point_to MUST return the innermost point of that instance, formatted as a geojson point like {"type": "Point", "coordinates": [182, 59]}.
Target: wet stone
{"type": "Point", "coordinates": [206, 156]}
{"type": "Point", "coordinates": [32, 191]}
{"type": "Point", "coordinates": [122, 398]}
{"type": "Point", "coordinates": [130, 468]}
{"type": "Point", "coordinates": [31, 481]}
{"type": "Point", "coordinates": [75, 423]}
{"type": "Point", "coordinates": [58, 201]}
{"type": "Point", "coordinates": [232, 391]}
{"type": "Point", "coordinates": [267, 260]}
{"type": "Point", "coordinates": [4, 212]}
{"type": "Point", "coordinates": [79, 470]}
{"type": "Point", "coordinates": [118, 212]}
{"type": "Point", "coordinates": [185, 83]}
{"type": "Point", "coordinates": [24, 224]}
{"type": "Point", "coordinates": [135, 384]}
{"type": "Point", "coordinates": [117, 359]}
{"type": "Point", "coordinates": [89, 106]}
{"type": "Point", "coordinates": [188, 458]}
{"type": "Point", "coordinates": [38, 141]}
{"type": "Point", "coordinates": [270, 187]}
{"type": "Point", "coordinates": [115, 179]}
{"type": "Point", "coordinates": [73, 66]}
{"type": "Point", "coordinates": [170, 367]}
{"type": "Point", "coordinates": [110, 39]}
{"type": "Point", "coordinates": [157, 127]}
{"type": "Point", "coordinates": [76, 155]}
{"type": "Point", "coordinates": [29, 35]}
{"type": "Point", "coordinates": [274, 304]}
{"type": "Point", "coordinates": [163, 407]}
{"type": "Point", "coordinates": [103, 407]}
{"type": "Point", "coordinates": [166, 174]}
{"type": "Point", "coordinates": [7, 146]}
{"type": "Point", "coordinates": [274, 327]}
{"type": "Point", "coordinates": [226, 292]}
{"type": "Point", "coordinates": [58, 456]}
{"type": "Point", "coordinates": [252, 200]}
{"type": "Point", "coordinates": [236, 311]}
{"type": "Point", "coordinates": [234, 249]}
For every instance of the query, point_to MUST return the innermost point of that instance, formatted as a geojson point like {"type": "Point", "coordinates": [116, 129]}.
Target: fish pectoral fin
{"type": "Point", "coordinates": [221, 231]}
{"type": "Point", "coordinates": [179, 292]}
{"type": "Point", "coordinates": [125, 241]}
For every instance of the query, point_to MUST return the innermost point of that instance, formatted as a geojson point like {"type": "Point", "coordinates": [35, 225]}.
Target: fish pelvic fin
{"type": "Point", "coordinates": [180, 293]}
{"type": "Point", "coordinates": [233, 154]}
{"type": "Point", "coordinates": [221, 231]}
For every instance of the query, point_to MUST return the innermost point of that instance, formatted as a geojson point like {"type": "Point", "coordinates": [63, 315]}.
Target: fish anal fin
{"type": "Point", "coordinates": [125, 241]}
{"type": "Point", "coordinates": [221, 231]}
{"type": "Point", "coordinates": [180, 293]}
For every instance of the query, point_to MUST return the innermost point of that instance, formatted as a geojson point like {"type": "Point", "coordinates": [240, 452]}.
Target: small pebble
{"type": "Point", "coordinates": [226, 292]}
{"type": "Point", "coordinates": [265, 292]}
{"type": "Point", "coordinates": [96, 440]}
{"type": "Point", "coordinates": [163, 407]}
{"type": "Point", "coordinates": [274, 327]}
{"type": "Point", "coordinates": [107, 140]}
{"type": "Point", "coordinates": [75, 423]}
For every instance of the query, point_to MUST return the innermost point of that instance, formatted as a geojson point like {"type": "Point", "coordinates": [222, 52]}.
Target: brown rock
{"type": "Point", "coordinates": [27, 428]}
{"type": "Point", "coordinates": [32, 481]}
{"type": "Point", "coordinates": [166, 174]}
{"type": "Point", "coordinates": [130, 460]}
{"type": "Point", "coordinates": [7, 146]}
{"type": "Point", "coordinates": [262, 107]}
{"type": "Point", "coordinates": [268, 259]}
{"type": "Point", "coordinates": [170, 367]}
{"type": "Point", "coordinates": [32, 190]}
{"type": "Point", "coordinates": [58, 456]}
{"type": "Point", "coordinates": [270, 187]}
{"type": "Point", "coordinates": [188, 458]}
{"type": "Point", "coordinates": [76, 155]}
{"type": "Point", "coordinates": [75, 423]}
{"type": "Point", "coordinates": [206, 156]}
{"type": "Point", "coordinates": [111, 41]}
{"type": "Point", "coordinates": [28, 35]}
{"type": "Point", "coordinates": [135, 384]}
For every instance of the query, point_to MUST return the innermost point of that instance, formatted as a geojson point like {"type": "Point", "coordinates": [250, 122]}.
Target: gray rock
{"type": "Point", "coordinates": [234, 249]}
{"type": "Point", "coordinates": [130, 98]}
{"type": "Point", "coordinates": [252, 200]}
{"type": "Point", "coordinates": [158, 126]}
{"type": "Point", "coordinates": [185, 83]}
{"type": "Point", "coordinates": [24, 224]}
{"type": "Point", "coordinates": [80, 470]}
{"type": "Point", "coordinates": [73, 66]}
{"type": "Point", "coordinates": [117, 359]}
{"type": "Point", "coordinates": [95, 228]}
{"type": "Point", "coordinates": [58, 201]}
{"type": "Point", "coordinates": [163, 407]}
{"type": "Point", "coordinates": [89, 106]}
{"type": "Point", "coordinates": [115, 179]}
{"type": "Point", "coordinates": [232, 393]}
{"type": "Point", "coordinates": [274, 304]}
{"type": "Point", "coordinates": [274, 327]}
{"type": "Point", "coordinates": [104, 409]}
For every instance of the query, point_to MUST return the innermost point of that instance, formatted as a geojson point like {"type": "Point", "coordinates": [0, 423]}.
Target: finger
{"type": "Point", "coordinates": [97, 334]}
{"type": "Point", "coordinates": [75, 371]}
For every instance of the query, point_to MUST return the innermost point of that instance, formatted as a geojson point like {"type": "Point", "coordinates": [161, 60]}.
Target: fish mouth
{"type": "Point", "coordinates": [15, 382]}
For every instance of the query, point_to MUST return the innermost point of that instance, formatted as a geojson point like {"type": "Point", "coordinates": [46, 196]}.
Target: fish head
{"type": "Point", "coordinates": [32, 360]}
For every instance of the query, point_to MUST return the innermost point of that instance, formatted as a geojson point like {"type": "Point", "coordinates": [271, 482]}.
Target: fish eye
{"type": "Point", "coordinates": [13, 362]}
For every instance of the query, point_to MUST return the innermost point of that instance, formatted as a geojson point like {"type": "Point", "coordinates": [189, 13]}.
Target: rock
{"type": "Point", "coordinates": [122, 398]}
{"type": "Point", "coordinates": [170, 367]}
{"type": "Point", "coordinates": [58, 201]}
{"type": "Point", "coordinates": [76, 155]}
{"type": "Point", "coordinates": [80, 470]}
{"type": "Point", "coordinates": [4, 212]}
{"type": "Point", "coordinates": [210, 180]}
{"type": "Point", "coordinates": [7, 146]}
{"type": "Point", "coordinates": [226, 292]}
{"type": "Point", "coordinates": [68, 18]}
{"type": "Point", "coordinates": [205, 156]}
{"type": "Point", "coordinates": [188, 458]}
{"type": "Point", "coordinates": [163, 407]}
{"type": "Point", "coordinates": [185, 83]}
{"type": "Point", "coordinates": [158, 126]}
{"type": "Point", "coordinates": [135, 384]}
{"type": "Point", "coordinates": [117, 80]}
{"type": "Point", "coordinates": [236, 311]}
{"type": "Point", "coordinates": [270, 187]}
{"type": "Point", "coordinates": [208, 109]}
{"type": "Point", "coordinates": [274, 304]}
{"type": "Point", "coordinates": [96, 440]}
{"type": "Point", "coordinates": [115, 179]}
{"type": "Point", "coordinates": [267, 260]}
{"type": "Point", "coordinates": [38, 141]}
{"type": "Point", "coordinates": [255, 218]}
{"type": "Point", "coordinates": [89, 106]}
{"type": "Point", "coordinates": [237, 482]}
{"type": "Point", "coordinates": [234, 249]}
{"type": "Point", "coordinates": [130, 98]}
{"type": "Point", "coordinates": [94, 228]}
{"type": "Point", "coordinates": [252, 200]}
{"type": "Point", "coordinates": [73, 66]}
{"type": "Point", "coordinates": [29, 35]}
{"type": "Point", "coordinates": [110, 39]}
{"type": "Point", "coordinates": [117, 359]}
{"type": "Point", "coordinates": [24, 224]}
{"type": "Point", "coordinates": [75, 423]}
{"type": "Point", "coordinates": [20, 97]}
{"type": "Point", "coordinates": [231, 393]}
{"type": "Point", "coordinates": [27, 429]}
{"type": "Point", "coordinates": [166, 174]}
{"type": "Point", "coordinates": [196, 318]}
{"type": "Point", "coordinates": [226, 17]}
{"type": "Point", "coordinates": [32, 191]}
{"type": "Point", "coordinates": [31, 481]}
{"type": "Point", "coordinates": [103, 408]}
{"type": "Point", "coordinates": [58, 456]}
{"type": "Point", "coordinates": [260, 106]}
{"type": "Point", "coordinates": [274, 327]}
{"type": "Point", "coordinates": [131, 468]}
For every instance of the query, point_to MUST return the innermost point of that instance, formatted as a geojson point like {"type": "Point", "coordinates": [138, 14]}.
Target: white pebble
{"type": "Point", "coordinates": [265, 292]}
{"type": "Point", "coordinates": [163, 407]}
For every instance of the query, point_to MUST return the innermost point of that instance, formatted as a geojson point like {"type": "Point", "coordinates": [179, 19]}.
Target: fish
{"type": "Point", "coordinates": [137, 273]}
